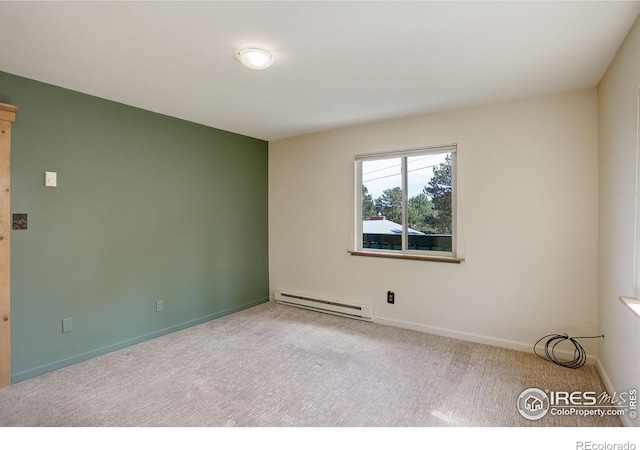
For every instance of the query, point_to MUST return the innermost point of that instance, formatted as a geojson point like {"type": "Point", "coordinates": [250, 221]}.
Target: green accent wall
{"type": "Point", "coordinates": [147, 208]}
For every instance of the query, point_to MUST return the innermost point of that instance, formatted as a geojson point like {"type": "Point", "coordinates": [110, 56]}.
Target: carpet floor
{"type": "Point", "coordinates": [274, 365]}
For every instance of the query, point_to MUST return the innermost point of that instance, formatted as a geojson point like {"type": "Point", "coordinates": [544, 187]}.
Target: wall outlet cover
{"type": "Point", "coordinates": [67, 325]}
{"type": "Point", "coordinates": [391, 297]}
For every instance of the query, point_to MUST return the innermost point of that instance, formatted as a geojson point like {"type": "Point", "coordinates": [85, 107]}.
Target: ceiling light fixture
{"type": "Point", "coordinates": [254, 58]}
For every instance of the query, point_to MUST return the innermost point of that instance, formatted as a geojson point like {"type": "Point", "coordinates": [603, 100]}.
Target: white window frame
{"type": "Point", "coordinates": [404, 154]}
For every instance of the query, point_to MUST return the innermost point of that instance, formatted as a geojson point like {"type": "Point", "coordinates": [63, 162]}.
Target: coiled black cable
{"type": "Point", "coordinates": [579, 355]}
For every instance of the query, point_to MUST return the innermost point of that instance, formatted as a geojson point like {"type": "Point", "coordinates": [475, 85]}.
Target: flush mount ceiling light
{"type": "Point", "coordinates": [254, 58]}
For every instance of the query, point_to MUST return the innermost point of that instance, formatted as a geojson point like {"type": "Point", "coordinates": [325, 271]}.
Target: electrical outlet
{"type": "Point", "coordinates": [391, 297]}
{"type": "Point", "coordinates": [159, 306]}
{"type": "Point", "coordinates": [67, 325]}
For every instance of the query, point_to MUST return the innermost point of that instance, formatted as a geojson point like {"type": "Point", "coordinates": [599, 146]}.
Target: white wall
{"type": "Point", "coordinates": [528, 192]}
{"type": "Point", "coordinates": [619, 353]}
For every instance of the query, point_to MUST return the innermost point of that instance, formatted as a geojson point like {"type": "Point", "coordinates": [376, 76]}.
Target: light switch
{"type": "Point", "coordinates": [51, 179]}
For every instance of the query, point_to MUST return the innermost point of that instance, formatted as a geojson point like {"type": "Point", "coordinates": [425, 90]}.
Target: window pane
{"type": "Point", "coordinates": [382, 204]}
{"type": "Point", "coordinates": [429, 205]}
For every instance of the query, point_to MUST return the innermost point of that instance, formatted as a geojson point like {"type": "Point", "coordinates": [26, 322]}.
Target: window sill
{"type": "Point", "coordinates": [632, 303]}
{"type": "Point", "coordinates": [445, 259]}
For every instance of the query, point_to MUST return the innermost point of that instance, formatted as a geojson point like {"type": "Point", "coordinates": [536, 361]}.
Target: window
{"type": "Point", "coordinates": [406, 203]}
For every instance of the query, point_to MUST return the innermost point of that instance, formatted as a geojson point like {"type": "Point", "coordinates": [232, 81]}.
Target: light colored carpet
{"type": "Point", "coordinates": [275, 365]}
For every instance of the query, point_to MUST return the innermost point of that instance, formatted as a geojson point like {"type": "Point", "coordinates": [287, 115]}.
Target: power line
{"type": "Point", "coordinates": [380, 178]}
{"type": "Point", "coordinates": [398, 165]}
{"type": "Point", "coordinates": [384, 168]}
{"type": "Point", "coordinates": [396, 174]}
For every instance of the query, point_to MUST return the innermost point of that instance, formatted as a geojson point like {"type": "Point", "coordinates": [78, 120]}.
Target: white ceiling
{"type": "Point", "coordinates": [337, 63]}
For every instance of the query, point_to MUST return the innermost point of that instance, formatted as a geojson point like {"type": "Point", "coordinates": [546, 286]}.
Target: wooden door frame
{"type": "Point", "coordinates": [7, 117]}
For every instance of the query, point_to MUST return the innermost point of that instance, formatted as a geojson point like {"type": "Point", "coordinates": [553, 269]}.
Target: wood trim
{"type": "Point", "coordinates": [8, 112]}
{"type": "Point", "coordinates": [445, 259]}
{"type": "Point", "coordinates": [7, 117]}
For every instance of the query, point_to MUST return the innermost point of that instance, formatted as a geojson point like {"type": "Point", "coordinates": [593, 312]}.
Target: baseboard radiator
{"type": "Point", "coordinates": [353, 311]}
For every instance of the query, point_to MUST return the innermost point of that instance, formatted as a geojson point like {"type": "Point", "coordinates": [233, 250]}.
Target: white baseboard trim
{"type": "Point", "coordinates": [610, 388]}
{"type": "Point", "coordinates": [477, 338]}
{"type": "Point", "coordinates": [49, 367]}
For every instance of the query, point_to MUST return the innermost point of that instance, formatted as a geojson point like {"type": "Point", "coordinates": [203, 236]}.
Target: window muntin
{"type": "Point", "coordinates": [406, 202]}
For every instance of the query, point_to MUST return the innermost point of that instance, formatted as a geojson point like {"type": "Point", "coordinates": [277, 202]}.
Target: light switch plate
{"type": "Point", "coordinates": [51, 179]}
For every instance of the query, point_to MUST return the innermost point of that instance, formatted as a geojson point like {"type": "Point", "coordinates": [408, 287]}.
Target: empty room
{"type": "Point", "coordinates": [320, 214]}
